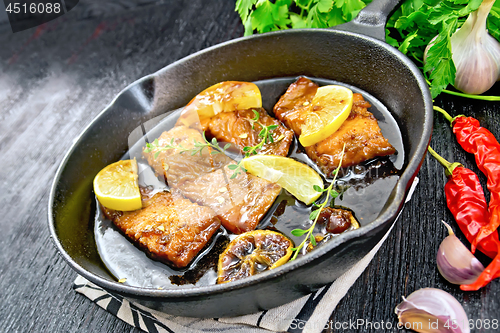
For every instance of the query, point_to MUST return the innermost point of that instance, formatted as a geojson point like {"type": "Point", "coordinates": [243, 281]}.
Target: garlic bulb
{"type": "Point", "coordinates": [476, 54]}
{"type": "Point", "coordinates": [455, 262]}
{"type": "Point", "coordinates": [431, 310]}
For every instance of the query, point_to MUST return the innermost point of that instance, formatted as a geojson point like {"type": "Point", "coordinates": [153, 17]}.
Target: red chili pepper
{"type": "Point", "coordinates": [466, 201]}
{"type": "Point", "coordinates": [491, 272]}
{"type": "Point", "coordinates": [482, 143]}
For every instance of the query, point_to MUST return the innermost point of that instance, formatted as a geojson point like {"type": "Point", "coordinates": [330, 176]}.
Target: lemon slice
{"type": "Point", "coordinates": [297, 178]}
{"type": "Point", "coordinates": [330, 107]}
{"type": "Point", "coordinates": [225, 97]}
{"type": "Point", "coordinates": [251, 253]}
{"type": "Point", "coordinates": [116, 186]}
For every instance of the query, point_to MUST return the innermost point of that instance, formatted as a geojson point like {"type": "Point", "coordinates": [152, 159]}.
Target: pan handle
{"type": "Point", "coordinates": [371, 19]}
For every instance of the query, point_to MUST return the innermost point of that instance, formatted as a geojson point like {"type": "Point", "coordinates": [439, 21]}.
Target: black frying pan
{"type": "Point", "coordinates": [355, 57]}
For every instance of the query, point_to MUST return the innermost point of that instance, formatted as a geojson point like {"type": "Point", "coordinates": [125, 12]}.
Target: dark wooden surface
{"type": "Point", "coordinates": [56, 78]}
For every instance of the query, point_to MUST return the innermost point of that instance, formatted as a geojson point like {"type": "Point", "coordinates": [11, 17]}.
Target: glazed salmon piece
{"type": "Point", "coordinates": [360, 132]}
{"type": "Point", "coordinates": [236, 128]}
{"type": "Point", "coordinates": [292, 107]}
{"type": "Point", "coordinates": [169, 228]}
{"type": "Point", "coordinates": [240, 202]}
{"type": "Point", "coordinates": [179, 166]}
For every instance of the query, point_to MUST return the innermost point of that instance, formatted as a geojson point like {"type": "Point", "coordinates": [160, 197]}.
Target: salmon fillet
{"type": "Point", "coordinates": [360, 133]}
{"type": "Point", "coordinates": [179, 166]}
{"type": "Point", "coordinates": [240, 203]}
{"type": "Point", "coordinates": [170, 228]}
{"type": "Point", "coordinates": [292, 107]}
{"type": "Point", "coordinates": [236, 128]}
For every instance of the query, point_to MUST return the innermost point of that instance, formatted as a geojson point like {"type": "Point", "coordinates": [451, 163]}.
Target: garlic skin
{"type": "Point", "coordinates": [476, 54]}
{"type": "Point", "coordinates": [431, 310]}
{"type": "Point", "coordinates": [455, 262]}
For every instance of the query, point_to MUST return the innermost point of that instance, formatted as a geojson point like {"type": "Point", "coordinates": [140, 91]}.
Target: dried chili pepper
{"type": "Point", "coordinates": [482, 143]}
{"type": "Point", "coordinates": [491, 272]}
{"type": "Point", "coordinates": [465, 199]}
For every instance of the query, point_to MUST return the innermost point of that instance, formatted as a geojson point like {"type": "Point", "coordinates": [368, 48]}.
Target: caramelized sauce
{"type": "Point", "coordinates": [366, 188]}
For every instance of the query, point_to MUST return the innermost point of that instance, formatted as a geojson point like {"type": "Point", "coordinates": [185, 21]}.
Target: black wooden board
{"type": "Point", "coordinates": [56, 78]}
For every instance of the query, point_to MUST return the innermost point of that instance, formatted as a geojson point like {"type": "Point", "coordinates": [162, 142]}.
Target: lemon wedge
{"type": "Point", "coordinates": [330, 107]}
{"type": "Point", "coordinates": [297, 178]}
{"type": "Point", "coordinates": [116, 186]}
{"type": "Point", "coordinates": [225, 97]}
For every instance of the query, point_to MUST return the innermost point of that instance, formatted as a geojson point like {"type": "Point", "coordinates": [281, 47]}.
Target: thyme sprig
{"type": "Point", "coordinates": [267, 137]}
{"type": "Point", "coordinates": [331, 194]}
{"type": "Point", "coordinates": [265, 133]}
{"type": "Point", "coordinates": [197, 148]}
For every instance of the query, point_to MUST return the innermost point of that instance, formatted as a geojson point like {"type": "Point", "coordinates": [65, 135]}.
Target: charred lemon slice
{"type": "Point", "coordinates": [330, 107]}
{"type": "Point", "coordinates": [225, 97]}
{"type": "Point", "coordinates": [251, 253]}
{"type": "Point", "coordinates": [116, 186]}
{"type": "Point", "coordinates": [297, 178]}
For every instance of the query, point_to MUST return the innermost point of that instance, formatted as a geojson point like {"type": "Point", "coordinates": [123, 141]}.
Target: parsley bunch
{"type": "Point", "coordinates": [264, 15]}
{"type": "Point", "coordinates": [416, 23]}
{"type": "Point", "coordinates": [410, 28]}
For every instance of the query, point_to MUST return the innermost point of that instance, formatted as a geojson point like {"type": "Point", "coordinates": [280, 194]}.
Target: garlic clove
{"type": "Point", "coordinates": [431, 310]}
{"type": "Point", "coordinates": [476, 54]}
{"type": "Point", "coordinates": [455, 262]}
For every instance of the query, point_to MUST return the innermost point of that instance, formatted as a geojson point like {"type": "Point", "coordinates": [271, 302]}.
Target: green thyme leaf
{"type": "Point", "coordinates": [314, 214]}
{"type": "Point", "coordinates": [334, 194]}
{"type": "Point", "coordinates": [317, 188]}
{"type": "Point", "coordinates": [298, 232]}
{"type": "Point", "coordinates": [313, 239]}
{"type": "Point", "coordinates": [257, 115]}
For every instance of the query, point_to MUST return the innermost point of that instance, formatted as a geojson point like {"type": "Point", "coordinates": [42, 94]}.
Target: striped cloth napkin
{"type": "Point", "coordinates": [308, 314]}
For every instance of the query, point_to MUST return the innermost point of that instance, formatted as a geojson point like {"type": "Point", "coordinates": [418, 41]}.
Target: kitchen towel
{"type": "Point", "coordinates": [308, 314]}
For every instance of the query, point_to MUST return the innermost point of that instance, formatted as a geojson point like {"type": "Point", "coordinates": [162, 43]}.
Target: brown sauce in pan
{"type": "Point", "coordinates": [366, 189]}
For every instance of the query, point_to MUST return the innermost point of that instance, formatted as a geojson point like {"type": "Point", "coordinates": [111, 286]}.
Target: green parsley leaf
{"type": "Point", "coordinates": [335, 17]}
{"type": "Point", "coordinates": [351, 9]}
{"type": "Point", "coordinates": [243, 7]}
{"type": "Point", "coordinates": [262, 17]}
{"type": "Point", "coordinates": [325, 6]}
{"type": "Point", "coordinates": [493, 22]}
{"type": "Point", "coordinates": [297, 21]}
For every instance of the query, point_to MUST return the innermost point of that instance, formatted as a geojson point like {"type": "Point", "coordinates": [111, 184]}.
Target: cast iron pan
{"type": "Point", "coordinates": [354, 58]}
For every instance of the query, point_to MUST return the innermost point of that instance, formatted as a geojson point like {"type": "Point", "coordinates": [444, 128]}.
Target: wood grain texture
{"type": "Point", "coordinates": [55, 79]}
